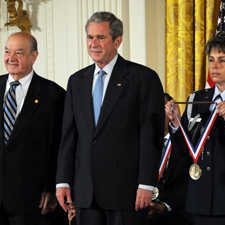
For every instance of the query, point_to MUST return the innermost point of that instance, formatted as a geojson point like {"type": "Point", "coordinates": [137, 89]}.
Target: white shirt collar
{"type": "Point", "coordinates": [217, 92]}
{"type": "Point", "coordinates": [25, 82]}
{"type": "Point", "coordinates": [108, 68]}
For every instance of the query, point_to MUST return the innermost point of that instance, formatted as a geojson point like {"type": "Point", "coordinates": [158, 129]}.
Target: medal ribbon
{"type": "Point", "coordinates": [164, 158]}
{"type": "Point", "coordinates": [195, 152]}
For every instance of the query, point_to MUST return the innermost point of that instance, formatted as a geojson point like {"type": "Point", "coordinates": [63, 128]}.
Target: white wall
{"type": "Point", "coordinates": [58, 26]}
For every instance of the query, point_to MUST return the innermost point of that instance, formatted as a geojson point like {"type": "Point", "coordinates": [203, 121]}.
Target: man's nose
{"type": "Point", "coordinates": [94, 42]}
{"type": "Point", "coordinates": [12, 56]}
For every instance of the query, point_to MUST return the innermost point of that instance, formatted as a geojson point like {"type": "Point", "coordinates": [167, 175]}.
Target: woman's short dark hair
{"type": "Point", "coordinates": [217, 42]}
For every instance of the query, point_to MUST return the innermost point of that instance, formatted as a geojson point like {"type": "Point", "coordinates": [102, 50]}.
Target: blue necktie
{"type": "Point", "coordinates": [97, 95]}
{"type": "Point", "coordinates": [10, 109]}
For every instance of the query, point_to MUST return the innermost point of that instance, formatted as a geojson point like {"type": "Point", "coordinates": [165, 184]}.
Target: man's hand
{"type": "Point", "coordinates": [143, 198]}
{"type": "Point", "coordinates": [171, 114]}
{"type": "Point", "coordinates": [48, 202]}
{"type": "Point", "coordinates": [156, 208]}
{"type": "Point", "coordinates": [62, 192]}
{"type": "Point", "coordinates": [221, 109]}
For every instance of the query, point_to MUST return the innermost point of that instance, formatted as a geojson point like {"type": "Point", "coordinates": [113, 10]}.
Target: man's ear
{"type": "Point", "coordinates": [117, 42]}
{"type": "Point", "coordinates": [34, 56]}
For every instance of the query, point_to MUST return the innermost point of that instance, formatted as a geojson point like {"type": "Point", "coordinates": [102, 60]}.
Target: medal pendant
{"type": "Point", "coordinates": [155, 193]}
{"type": "Point", "coordinates": [195, 171]}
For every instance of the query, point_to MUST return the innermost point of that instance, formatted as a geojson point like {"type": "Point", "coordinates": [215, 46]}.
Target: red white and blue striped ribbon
{"type": "Point", "coordinates": [164, 157]}
{"type": "Point", "coordinates": [195, 152]}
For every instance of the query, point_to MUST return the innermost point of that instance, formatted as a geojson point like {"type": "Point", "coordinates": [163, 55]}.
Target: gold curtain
{"type": "Point", "coordinates": [189, 25]}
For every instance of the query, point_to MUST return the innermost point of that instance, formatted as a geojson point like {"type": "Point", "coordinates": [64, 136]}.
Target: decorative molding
{"type": "Point", "coordinates": [19, 17]}
{"type": "Point", "coordinates": [49, 41]}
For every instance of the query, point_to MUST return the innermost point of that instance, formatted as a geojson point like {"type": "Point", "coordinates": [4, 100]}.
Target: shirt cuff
{"type": "Point", "coordinates": [62, 185]}
{"type": "Point", "coordinates": [146, 187]}
{"type": "Point", "coordinates": [173, 129]}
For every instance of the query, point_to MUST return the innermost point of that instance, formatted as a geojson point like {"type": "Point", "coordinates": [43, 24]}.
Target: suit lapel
{"type": "Point", "coordinates": [203, 109]}
{"type": "Point", "coordinates": [209, 94]}
{"type": "Point", "coordinates": [115, 87]}
{"type": "Point", "coordinates": [208, 97]}
{"type": "Point", "coordinates": [31, 103]}
{"type": "Point", "coordinates": [86, 95]}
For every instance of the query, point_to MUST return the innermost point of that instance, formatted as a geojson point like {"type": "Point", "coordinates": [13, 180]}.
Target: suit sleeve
{"type": "Point", "coordinates": [55, 128]}
{"type": "Point", "coordinates": [151, 126]}
{"type": "Point", "coordinates": [65, 168]}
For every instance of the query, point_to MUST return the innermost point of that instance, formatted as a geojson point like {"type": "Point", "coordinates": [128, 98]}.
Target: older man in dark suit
{"type": "Point", "coordinates": [30, 132]}
{"type": "Point", "coordinates": [112, 132]}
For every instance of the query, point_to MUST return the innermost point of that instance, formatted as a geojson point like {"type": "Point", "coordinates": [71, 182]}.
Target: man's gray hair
{"type": "Point", "coordinates": [115, 24]}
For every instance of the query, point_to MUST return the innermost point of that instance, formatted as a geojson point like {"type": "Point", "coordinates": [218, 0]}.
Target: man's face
{"type": "Point", "coordinates": [18, 60]}
{"type": "Point", "coordinates": [100, 45]}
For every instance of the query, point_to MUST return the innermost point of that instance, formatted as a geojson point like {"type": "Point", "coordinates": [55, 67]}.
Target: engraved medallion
{"type": "Point", "coordinates": [195, 171]}
{"type": "Point", "coordinates": [155, 193]}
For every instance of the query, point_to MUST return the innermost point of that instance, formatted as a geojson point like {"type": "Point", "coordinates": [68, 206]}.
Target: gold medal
{"type": "Point", "coordinates": [155, 193]}
{"type": "Point", "coordinates": [195, 171]}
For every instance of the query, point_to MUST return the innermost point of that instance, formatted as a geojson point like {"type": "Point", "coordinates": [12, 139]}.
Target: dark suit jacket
{"type": "Point", "coordinates": [28, 161]}
{"type": "Point", "coordinates": [206, 195]}
{"type": "Point", "coordinates": [124, 149]}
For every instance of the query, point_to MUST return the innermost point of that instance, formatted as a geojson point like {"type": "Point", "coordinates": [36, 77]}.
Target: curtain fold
{"type": "Point", "coordinates": [189, 25]}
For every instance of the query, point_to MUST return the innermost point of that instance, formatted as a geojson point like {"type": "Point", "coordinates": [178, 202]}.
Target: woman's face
{"type": "Point", "coordinates": [217, 68]}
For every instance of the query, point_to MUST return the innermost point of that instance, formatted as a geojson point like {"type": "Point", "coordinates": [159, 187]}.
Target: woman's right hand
{"type": "Point", "coordinates": [170, 113]}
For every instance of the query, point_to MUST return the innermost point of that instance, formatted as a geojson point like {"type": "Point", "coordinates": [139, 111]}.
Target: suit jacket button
{"type": "Point", "coordinates": [164, 181]}
{"type": "Point", "coordinates": [208, 153]}
{"type": "Point", "coordinates": [208, 169]}
{"type": "Point", "coordinates": [208, 138]}
{"type": "Point", "coordinates": [94, 142]}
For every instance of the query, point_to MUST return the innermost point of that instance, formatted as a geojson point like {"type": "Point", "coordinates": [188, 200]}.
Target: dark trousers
{"type": "Point", "coordinates": [7, 218]}
{"type": "Point", "coordinates": [208, 220]}
{"type": "Point", "coordinates": [174, 217]}
{"type": "Point", "coordinates": [97, 216]}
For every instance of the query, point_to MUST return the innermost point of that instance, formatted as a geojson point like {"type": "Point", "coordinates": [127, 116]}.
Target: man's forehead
{"type": "Point", "coordinates": [101, 25]}
{"type": "Point", "coordinates": [17, 49]}
{"type": "Point", "coordinates": [16, 44]}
